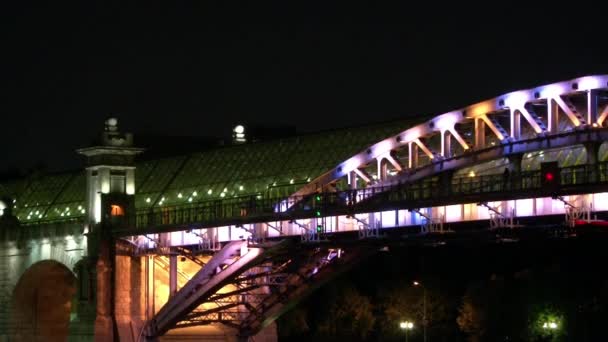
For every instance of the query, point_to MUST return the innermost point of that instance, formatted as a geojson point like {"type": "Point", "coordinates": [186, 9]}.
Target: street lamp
{"type": "Point", "coordinates": [407, 326]}
{"type": "Point", "coordinates": [550, 325]}
{"type": "Point", "coordinates": [416, 283]}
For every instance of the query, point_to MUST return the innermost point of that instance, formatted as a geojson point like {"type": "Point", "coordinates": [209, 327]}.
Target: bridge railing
{"type": "Point", "coordinates": [229, 209]}
{"type": "Point", "coordinates": [496, 183]}
{"type": "Point", "coordinates": [246, 209]}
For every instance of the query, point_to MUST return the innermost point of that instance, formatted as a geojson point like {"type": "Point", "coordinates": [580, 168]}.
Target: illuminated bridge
{"type": "Point", "coordinates": [216, 245]}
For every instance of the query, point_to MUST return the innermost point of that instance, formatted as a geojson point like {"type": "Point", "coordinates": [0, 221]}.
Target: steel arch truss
{"type": "Point", "coordinates": [513, 118]}
{"type": "Point", "coordinates": [247, 286]}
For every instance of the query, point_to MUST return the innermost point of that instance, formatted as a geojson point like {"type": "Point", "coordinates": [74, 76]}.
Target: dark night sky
{"type": "Point", "coordinates": [183, 70]}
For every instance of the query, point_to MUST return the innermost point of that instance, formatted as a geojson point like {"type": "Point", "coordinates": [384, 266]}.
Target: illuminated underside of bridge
{"type": "Point", "coordinates": [502, 167]}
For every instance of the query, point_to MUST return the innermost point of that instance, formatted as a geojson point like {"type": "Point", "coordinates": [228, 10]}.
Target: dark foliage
{"type": "Point", "coordinates": [489, 293]}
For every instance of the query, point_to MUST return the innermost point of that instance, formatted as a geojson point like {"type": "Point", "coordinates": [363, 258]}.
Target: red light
{"type": "Point", "coordinates": [549, 176]}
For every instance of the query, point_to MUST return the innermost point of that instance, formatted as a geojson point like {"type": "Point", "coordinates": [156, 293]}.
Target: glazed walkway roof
{"type": "Point", "coordinates": [273, 167]}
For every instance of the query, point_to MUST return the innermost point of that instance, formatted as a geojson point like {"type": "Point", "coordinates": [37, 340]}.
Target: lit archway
{"type": "Point", "coordinates": [41, 303]}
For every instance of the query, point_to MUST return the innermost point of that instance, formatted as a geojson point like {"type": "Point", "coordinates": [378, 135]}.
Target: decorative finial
{"type": "Point", "coordinates": [112, 125]}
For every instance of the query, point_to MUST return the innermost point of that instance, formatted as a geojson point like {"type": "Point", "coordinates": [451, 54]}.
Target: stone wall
{"type": "Point", "coordinates": [129, 301]}
{"type": "Point", "coordinates": [22, 247]}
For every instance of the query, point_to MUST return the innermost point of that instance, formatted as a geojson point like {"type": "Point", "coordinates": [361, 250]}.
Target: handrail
{"type": "Point", "coordinates": [426, 189]}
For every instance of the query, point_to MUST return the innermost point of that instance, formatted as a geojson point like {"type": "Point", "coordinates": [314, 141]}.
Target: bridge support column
{"type": "Point", "coordinates": [413, 155]}
{"type": "Point", "coordinates": [172, 274]}
{"type": "Point", "coordinates": [352, 180]}
{"type": "Point", "coordinates": [515, 124]}
{"type": "Point", "coordinates": [480, 133]}
{"type": "Point", "coordinates": [259, 232]}
{"type": "Point", "coordinates": [592, 105]}
{"type": "Point", "coordinates": [150, 296]}
{"type": "Point", "coordinates": [552, 116]}
{"type": "Point", "coordinates": [382, 169]}
{"type": "Point", "coordinates": [446, 144]}
{"type": "Point", "coordinates": [104, 320]}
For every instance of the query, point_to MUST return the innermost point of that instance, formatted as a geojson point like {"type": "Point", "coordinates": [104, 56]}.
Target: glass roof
{"type": "Point", "coordinates": [49, 197]}
{"type": "Point", "coordinates": [275, 167]}
{"type": "Point", "coordinates": [278, 167]}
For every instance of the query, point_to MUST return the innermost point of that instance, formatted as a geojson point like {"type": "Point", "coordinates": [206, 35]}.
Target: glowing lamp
{"type": "Point", "coordinates": [239, 129]}
{"type": "Point", "coordinates": [407, 325]}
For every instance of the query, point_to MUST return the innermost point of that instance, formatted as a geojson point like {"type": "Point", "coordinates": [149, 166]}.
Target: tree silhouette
{"type": "Point", "coordinates": [350, 315]}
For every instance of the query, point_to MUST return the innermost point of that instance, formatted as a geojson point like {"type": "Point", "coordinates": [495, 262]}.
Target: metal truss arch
{"type": "Point", "coordinates": [483, 114]}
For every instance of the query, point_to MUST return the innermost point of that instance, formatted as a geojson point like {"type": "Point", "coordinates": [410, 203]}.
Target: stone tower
{"type": "Point", "coordinates": [110, 176]}
{"type": "Point", "coordinates": [110, 168]}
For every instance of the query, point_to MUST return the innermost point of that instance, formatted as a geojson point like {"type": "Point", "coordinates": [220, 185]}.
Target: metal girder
{"type": "Point", "coordinates": [362, 175]}
{"type": "Point", "coordinates": [555, 92]}
{"type": "Point", "coordinates": [602, 117]}
{"type": "Point", "coordinates": [412, 155]}
{"type": "Point", "coordinates": [396, 164]}
{"type": "Point", "coordinates": [227, 314]}
{"type": "Point", "coordinates": [592, 106]}
{"type": "Point", "coordinates": [552, 116]}
{"type": "Point", "coordinates": [512, 148]}
{"type": "Point", "coordinates": [568, 107]}
{"type": "Point", "coordinates": [533, 119]}
{"type": "Point", "coordinates": [188, 254]}
{"type": "Point", "coordinates": [498, 130]}
{"type": "Point", "coordinates": [459, 138]}
{"type": "Point", "coordinates": [226, 264]}
{"type": "Point", "coordinates": [424, 149]}
{"type": "Point", "coordinates": [276, 280]}
{"type": "Point", "coordinates": [314, 273]}
{"type": "Point", "coordinates": [206, 313]}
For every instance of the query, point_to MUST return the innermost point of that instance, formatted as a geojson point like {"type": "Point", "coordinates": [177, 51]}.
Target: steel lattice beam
{"type": "Point", "coordinates": [517, 101]}
{"type": "Point", "coordinates": [224, 266]}
{"type": "Point", "coordinates": [250, 307]}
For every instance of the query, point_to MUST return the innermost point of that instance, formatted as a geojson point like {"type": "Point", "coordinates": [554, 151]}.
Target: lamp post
{"type": "Point", "coordinates": [407, 326]}
{"type": "Point", "coordinates": [417, 283]}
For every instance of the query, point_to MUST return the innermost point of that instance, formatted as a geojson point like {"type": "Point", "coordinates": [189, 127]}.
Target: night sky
{"type": "Point", "coordinates": [199, 70]}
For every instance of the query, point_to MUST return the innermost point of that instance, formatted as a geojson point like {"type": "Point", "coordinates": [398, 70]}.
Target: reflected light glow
{"type": "Point", "coordinates": [589, 82]}
{"type": "Point", "coordinates": [447, 121]}
{"type": "Point", "coordinates": [517, 99]}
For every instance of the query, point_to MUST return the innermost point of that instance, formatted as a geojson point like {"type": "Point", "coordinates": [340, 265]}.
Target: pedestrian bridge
{"type": "Point", "coordinates": [220, 243]}
{"type": "Point", "coordinates": [392, 185]}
